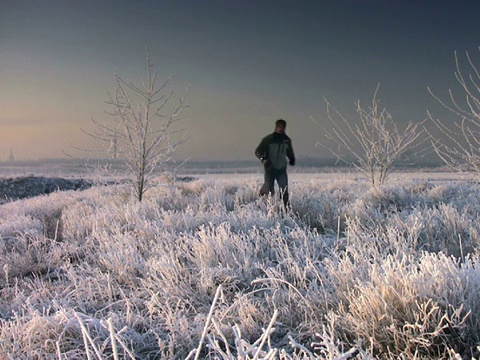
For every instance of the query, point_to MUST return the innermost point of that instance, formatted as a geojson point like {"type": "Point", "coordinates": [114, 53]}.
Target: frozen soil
{"type": "Point", "coordinates": [31, 186]}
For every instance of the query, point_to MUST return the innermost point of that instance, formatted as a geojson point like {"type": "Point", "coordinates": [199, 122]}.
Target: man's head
{"type": "Point", "coordinates": [280, 126]}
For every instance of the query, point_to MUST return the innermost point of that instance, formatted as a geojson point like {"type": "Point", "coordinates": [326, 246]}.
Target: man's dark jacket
{"type": "Point", "coordinates": [273, 150]}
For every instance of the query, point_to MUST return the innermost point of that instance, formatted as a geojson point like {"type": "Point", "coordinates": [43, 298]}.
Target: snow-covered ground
{"type": "Point", "coordinates": [203, 267]}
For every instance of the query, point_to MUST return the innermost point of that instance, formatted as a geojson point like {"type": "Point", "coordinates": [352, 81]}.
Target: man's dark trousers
{"type": "Point", "coordinates": [280, 175]}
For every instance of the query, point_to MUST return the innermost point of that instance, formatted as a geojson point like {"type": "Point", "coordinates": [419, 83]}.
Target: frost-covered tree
{"type": "Point", "coordinates": [141, 127]}
{"type": "Point", "coordinates": [460, 147]}
{"type": "Point", "coordinates": [373, 143]}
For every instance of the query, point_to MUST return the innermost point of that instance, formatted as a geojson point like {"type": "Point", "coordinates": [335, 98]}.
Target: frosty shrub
{"type": "Point", "coordinates": [206, 270]}
{"type": "Point", "coordinates": [141, 128]}
{"type": "Point", "coordinates": [374, 144]}
{"type": "Point", "coordinates": [459, 149]}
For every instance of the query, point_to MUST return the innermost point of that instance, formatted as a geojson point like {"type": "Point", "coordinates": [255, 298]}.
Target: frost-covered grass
{"type": "Point", "coordinates": [204, 269]}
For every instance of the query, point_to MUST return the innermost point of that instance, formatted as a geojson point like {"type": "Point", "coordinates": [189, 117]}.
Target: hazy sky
{"type": "Point", "coordinates": [248, 63]}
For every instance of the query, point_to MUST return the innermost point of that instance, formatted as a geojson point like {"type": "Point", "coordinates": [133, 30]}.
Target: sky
{"type": "Point", "coordinates": [247, 63]}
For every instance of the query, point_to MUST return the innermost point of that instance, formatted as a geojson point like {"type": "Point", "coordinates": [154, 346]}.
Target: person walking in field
{"type": "Point", "coordinates": [273, 151]}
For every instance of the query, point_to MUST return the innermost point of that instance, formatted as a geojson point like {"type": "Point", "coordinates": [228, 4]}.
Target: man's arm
{"type": "Point", "coordinates": [290, 154]}
{"type": "Point", "coordinates": [261, 151]}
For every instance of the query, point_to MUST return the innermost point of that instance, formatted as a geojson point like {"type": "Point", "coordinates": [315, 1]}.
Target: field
{"type": "Point", "coordinates": [203, 268]}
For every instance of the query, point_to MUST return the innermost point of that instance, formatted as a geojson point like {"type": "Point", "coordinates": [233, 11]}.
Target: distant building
{"type": "Point", "coordinates": [11, 158]}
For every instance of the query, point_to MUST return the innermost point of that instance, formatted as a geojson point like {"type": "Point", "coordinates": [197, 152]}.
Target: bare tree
{"type": "Point", "coordinates": [141, 128]}
{"type": "Point", "coordinates": [374, 143]}
{"type": "Point", "coordinates": [460, 149]}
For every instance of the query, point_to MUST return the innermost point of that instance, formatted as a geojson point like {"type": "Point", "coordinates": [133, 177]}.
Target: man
{"type": "Point", "coordinates": [272, 152]}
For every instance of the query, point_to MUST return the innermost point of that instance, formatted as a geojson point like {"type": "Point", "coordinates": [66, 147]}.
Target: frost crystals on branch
{"type": "Point", "coordinates": [374, 144]}
{"type": "Point", "coordinates": [141, 128]}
